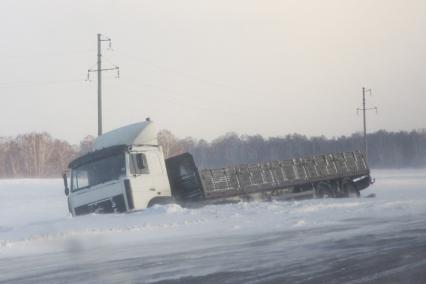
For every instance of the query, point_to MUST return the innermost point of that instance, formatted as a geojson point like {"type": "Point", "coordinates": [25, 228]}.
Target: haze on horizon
{"type": "Point", "coordinates": [203, 68]}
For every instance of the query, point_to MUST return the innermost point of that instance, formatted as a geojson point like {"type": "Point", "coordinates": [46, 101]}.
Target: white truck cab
{"type": "Point", "coordinates": [124, 171]}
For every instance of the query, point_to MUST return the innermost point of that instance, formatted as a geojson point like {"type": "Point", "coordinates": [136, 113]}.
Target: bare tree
{"type": "Point", "coordinates": [86, 144]}
{"type": "Point", "coordinates": [40, 155]}
{"type": "Point", "coordinates": [170, 144]}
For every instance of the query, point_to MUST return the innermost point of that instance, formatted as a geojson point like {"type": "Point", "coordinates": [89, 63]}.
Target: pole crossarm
{"type": "Point", "coordinates": [103, 69]}
{"type": "Point", "coordinates": [103, 38]}
{"type": "Point", "coordinates": [367, 109]}
{"type": "Point", "coordinates": [106, 69]}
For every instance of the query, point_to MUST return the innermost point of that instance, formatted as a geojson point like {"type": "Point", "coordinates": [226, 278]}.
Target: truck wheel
{"type": "Point", "coordinates": [350, 190]}
{"type": "Point", "coordinates": [324, 190]}
{"type": "Point", "coordinates": [163, 200]}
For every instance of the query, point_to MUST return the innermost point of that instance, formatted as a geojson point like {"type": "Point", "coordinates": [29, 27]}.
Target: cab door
{"type": "Point", "coordinates": [142, 181]}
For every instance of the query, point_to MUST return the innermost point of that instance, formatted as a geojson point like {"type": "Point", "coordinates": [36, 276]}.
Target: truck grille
{"type": "Point", "coordinates": [114, 204]}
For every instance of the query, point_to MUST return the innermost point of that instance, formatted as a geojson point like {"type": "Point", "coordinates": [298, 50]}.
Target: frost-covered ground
{"type": "Point", "coordinates": [366, 240]}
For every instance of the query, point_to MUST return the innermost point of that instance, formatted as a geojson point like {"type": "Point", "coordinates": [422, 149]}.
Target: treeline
{"type": "Point", "coordinates": [37, 155]}
{"type": "Point", "coordinates": [386, 149]}
{"type": "Point", "coordinates": [40, 155]}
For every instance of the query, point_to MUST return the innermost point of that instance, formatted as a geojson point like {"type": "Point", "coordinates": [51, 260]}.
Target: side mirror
{"type": "Point", "coordinates": [64, 176]}
{"type": "Point", "coordinates": [140, 161]}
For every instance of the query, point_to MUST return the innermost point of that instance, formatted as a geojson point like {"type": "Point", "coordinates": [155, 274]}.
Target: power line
{"type": "Point", "coordinates": [47, 53]}
{"type": "Point", "coordinates": [192, 76]}
{"type": "Point", "coordinates": [17, 84]}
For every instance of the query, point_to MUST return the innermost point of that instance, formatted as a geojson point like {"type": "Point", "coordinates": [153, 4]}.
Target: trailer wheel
{"type": "Point", "coordinates": [324, 190]}
{"type": "Point", "coordinates": [350, 190]}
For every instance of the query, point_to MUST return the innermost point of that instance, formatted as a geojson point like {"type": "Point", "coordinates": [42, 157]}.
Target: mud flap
{"type": "Point", "coordinates": [363, 182]}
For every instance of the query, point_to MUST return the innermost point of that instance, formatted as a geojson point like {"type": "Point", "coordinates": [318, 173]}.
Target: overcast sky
{"type": "Point", "coordinates": [203, 68]}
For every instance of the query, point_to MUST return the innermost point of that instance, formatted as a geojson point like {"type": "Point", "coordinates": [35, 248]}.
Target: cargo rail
{"type": "Point", "coordinates": [331, 174]}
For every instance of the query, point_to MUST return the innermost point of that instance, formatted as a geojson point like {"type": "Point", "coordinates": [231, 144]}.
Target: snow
{"type": "Point", "coordinates": [35, 222]}
{"type": "Point", "coordinates": [35, 211]}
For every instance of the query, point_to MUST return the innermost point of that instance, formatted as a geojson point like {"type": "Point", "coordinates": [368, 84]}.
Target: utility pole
{"type": "Point", "coordinates": [100, 39]}
{"type": "Point", "coordinates": [99, 85]}
{"type": "Point", "coordinates": [364, 110]}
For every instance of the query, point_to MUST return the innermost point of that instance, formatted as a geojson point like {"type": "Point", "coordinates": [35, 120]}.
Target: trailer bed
{"type": "Point", "coordinates": [190, 184]}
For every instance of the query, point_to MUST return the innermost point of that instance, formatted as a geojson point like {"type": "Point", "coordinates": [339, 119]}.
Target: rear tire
{"type": "Point", "coordinates": [324, 190]}
{"type": "Point", "coordinates": [350, 190]}
{"type": "Point", "coordinates": [161, 200]}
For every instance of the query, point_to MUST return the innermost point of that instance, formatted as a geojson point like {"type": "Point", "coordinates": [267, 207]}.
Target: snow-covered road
{"type": "Point", "coordinates": [366, 240]}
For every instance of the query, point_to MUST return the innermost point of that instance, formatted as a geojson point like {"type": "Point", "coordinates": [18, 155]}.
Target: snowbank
{"type": "Point", "coordinates": [34, 216]}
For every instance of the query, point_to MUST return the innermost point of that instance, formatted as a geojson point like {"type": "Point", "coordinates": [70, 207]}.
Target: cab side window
{"type": "Point", "coordinates": [138, 164]}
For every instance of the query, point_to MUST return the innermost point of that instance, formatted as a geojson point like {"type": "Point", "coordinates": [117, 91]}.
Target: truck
{"type": "Point", "coordinates": [126, 171]}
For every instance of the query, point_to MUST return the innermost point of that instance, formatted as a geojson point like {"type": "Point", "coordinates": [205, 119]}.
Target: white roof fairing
{"type": "Point", "coordinates": [141, 133]}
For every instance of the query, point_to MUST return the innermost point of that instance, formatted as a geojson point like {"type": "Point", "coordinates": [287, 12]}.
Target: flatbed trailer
{"type": "Point", "coordinates": [332, 175]}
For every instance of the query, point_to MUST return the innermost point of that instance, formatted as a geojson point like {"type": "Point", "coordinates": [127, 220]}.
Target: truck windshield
{"type": "Point", "coordinates": [99, 171]}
